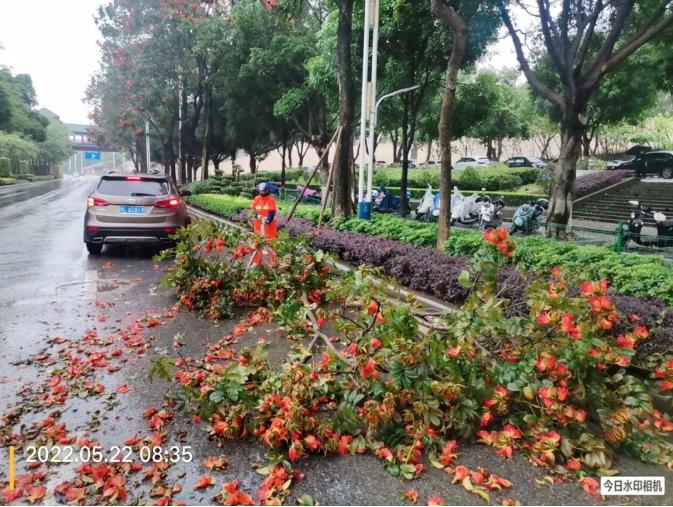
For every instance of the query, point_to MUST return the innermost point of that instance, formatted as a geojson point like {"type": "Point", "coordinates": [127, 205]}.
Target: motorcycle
{"type": "Point", "coordinates": [490, 214]}
{"type": "Point", "coordinates": [529, 217]}
{"type": "Point", "coordinates": [465, 210]}
{"type": "Point", "coordinates": [386, 202]}
{"type": "Point", "coordinates": [310, 196]}
{"type": "Point", "coordinates": [664, 238]}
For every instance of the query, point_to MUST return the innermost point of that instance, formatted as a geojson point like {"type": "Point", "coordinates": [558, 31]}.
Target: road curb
{"type": "Point", "coordinates": [27, 190]}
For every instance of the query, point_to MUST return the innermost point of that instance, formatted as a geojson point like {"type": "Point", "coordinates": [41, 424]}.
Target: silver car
{"type": "Point", "coordinates": [133, 208]}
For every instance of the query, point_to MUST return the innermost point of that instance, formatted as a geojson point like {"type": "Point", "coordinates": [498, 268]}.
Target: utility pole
{"type": "Point", "coordinates": [147, 144]}
{"type": "Point", "coordinates": [368, 100]}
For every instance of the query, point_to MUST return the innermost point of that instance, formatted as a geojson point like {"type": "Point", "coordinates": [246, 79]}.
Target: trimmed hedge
{"type": "Point", "coordinates": [386, 226]}
{"type": "Point", "coordinates": [7, 181]}
{"type": "Point", "coordinates": [5, 168]}
{"type": "Point", "coordinates": [630, 274]}
{"type": "Point", "coordinates": [492, 178]}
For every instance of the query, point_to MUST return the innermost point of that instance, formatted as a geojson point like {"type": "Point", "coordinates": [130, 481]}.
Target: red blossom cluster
{"type": "Point", "coordinates": [500, 238]}
{"type": "Point", "coordinates": [504, 441]}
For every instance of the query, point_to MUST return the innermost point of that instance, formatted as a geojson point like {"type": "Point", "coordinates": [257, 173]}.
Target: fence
{"type": "Point", "coordinates": [15, 167]}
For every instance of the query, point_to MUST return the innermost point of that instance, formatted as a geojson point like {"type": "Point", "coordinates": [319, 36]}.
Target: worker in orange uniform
{"type": "Point", "coordinates": [264, 208]}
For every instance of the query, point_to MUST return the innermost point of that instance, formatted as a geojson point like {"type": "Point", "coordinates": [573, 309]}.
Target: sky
{"type": "Point", "coordinates": [56, 43]}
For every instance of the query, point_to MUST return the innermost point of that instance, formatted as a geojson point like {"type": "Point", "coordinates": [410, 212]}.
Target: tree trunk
{"type": "Point", "coordinates": [498, 154]}
{"type": "Point", "coordinates": [283, 167]}
{"type": "Point", "coordinates": [253, 163]}
{"type": "Point", "coordinates": [429, 153]}
{"type": "Point", "coordinates": [344, 147]}
{"type": "Point", "coordinates": [289, 155]}
{"type": "Point", "coordinates": [394, 137]}
{"type": "Point", "coordinates": [450, 17]}
{"type": "Point", "coordinates": [208, 135]}
{"type": "Point", "coordinates": [563, 182]}
{"type": "Point", "coordinates": [183, 115]}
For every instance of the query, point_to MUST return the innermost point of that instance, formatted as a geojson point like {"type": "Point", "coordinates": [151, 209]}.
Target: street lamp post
{"type": "Point", "coordinates": [369, 105]}
{"type": "Point", "coordinates": [372, 133]}
{"type": "Point", "coordinates": [147, 144]}
{"type": "Point", "coordinates": [371, 27]}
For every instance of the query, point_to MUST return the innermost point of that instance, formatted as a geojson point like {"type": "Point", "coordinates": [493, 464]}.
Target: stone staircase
{"type": "Point", "coordinates": [612, 205]}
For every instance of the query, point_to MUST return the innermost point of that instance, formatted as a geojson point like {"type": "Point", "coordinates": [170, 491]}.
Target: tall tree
{"type": "Point", "coordinates": [585, 40]}
{"type": "Point", "coordinates": [343, 179]}
{"type": "Point", "coordinates": [461, 17]}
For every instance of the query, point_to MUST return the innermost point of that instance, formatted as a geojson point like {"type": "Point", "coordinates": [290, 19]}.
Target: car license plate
{"type": "Point", "coordinates": [132, 210]}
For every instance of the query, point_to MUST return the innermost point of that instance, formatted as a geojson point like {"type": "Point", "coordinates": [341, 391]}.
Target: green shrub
{"type": "Point", "coordinates": [7, 181]}
{"type": "Point", "coordinates": [500, 182]}
{"type": "Point", "coordinates": [5, 168]}
{"type": "Point", "coordinates": [634, 275]}
{"type": "Point", "coordinates": [470, 180]}
{"type": "Point", "coordinates": [417, 233]}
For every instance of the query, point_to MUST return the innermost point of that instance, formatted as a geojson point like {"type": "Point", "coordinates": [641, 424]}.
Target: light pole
{"type": "Point", "coordinates": [368, 97]}
{"type": "Point", "coordinates": [147, 144]}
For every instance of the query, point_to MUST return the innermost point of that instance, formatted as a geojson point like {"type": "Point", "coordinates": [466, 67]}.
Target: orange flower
{"type": "Point", "coordinates": [590, 486]}
{"type": "Point", "coordinates": [435, 500]}
{"type": "Point", "coordinates": [204, 481]}
{"type": "Point", "coordinates": [411, 495]}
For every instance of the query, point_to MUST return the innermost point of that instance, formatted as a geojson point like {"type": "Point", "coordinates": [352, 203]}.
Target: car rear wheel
{"type": "Point", "coordinates": [94, 248]}
{"type": "Point", "coordinates": [667, 173]}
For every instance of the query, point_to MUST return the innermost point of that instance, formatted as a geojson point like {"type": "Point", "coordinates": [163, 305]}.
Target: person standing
{"type": "Point", "coordinates": [264, 209]}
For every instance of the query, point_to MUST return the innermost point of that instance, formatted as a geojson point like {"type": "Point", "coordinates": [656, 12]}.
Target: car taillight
{"type": "Point", "coordinates": [96, 201]}
{"type": "Point", "coordinates": [169, 203]}
{"type": "Point", "coordinates": [133, 178]}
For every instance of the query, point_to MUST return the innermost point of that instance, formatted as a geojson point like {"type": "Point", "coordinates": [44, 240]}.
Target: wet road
{"type": "Point", "coordinates": [58, 302]}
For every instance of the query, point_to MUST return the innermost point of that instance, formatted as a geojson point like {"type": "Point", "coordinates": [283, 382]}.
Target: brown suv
{"type": "Point", "coordinates": [133, 208]}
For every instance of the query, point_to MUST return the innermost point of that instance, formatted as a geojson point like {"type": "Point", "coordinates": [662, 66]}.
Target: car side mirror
{"type": "Point", "coordinates": [185, 193]}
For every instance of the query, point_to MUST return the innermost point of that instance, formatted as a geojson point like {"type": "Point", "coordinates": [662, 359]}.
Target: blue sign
{"type": "Point", "coordinates": [92, 155]}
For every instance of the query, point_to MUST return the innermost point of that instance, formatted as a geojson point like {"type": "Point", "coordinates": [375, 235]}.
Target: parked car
{"type": "Point", "coordinates": [638, 149]}
{"type": "Point", "coordinates": [381, 163]}
{"type": "Point", "coordinates": [464, 162]}
{"type": "Point", "coordinates": [652, 163]}
{"type": "Point", "coordinates": [133, 208]}
{"type": "Point", "coordinates": [525, 162]}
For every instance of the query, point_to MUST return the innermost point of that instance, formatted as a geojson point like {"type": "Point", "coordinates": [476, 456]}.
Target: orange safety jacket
{"type": "Point", "coordinates": [262, 205]}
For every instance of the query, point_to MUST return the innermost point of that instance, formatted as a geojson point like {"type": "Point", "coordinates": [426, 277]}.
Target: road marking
{"type": "Point", "coordinates": [91, 283]}
{"type": "Point", "coordinates": [11, 468]}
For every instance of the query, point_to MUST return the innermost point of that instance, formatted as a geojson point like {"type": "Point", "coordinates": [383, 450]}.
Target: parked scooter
{"type": "Point", "coordinates": [664, 238]}
{"type": "Point", "coordinates": [529, 217]}
{"type": "Point", "coordinates": [310, 196]}
{"type": "Point", "coordinates": [490, 213]}
{"type": "Point", "coordinates": [465, 210]}
{"type": "Point", "coordinates": [385, 201]}
{"type": "Point", "coordinates": [429, 206]}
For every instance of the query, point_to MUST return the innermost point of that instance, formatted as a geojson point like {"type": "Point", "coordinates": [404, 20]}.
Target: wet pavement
{"type": "Point", "coordinates": [56, 301]}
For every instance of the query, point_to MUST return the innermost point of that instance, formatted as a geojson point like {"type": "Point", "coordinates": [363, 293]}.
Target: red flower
{"type": "Point", "coordinates": [376, 343]}
{"type": "Point", "coordinates": [453, 351]}
{"type": "Point", "coordinates": [369, 370]}
{"type": "Point", "coordinates": [543, 318]}
{"type": "Point", "coordinates": [590, 486]}
{"type": "Point", "coordinates": [435, 500]}
{"type": "Point", "coordinates": [555, 272]}
{"type": "Point", "coordinates": [411, 495]}
{"type": "Point", "coordinates": [626, 342]}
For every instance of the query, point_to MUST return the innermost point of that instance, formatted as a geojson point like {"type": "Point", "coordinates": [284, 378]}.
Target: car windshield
{"type": "Point", "coordinates": [133, 188]}
{"type": "Point", "coordinates": [466, 159]}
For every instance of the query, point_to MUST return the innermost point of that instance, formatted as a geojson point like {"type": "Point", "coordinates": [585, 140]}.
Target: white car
{"type": "Point", "coordinates": [464, 162]}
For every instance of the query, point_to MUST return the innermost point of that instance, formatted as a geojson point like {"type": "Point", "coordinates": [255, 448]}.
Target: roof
{"type": "Point", "coordinates": [78, 128]}
{"type": "Point", "coordinates": [153, 175]}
